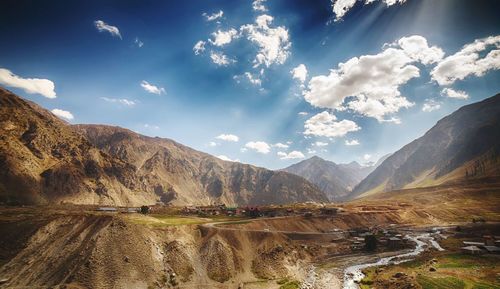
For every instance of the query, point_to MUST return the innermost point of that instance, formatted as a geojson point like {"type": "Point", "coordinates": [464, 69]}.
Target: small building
{"type": "Point", "coordinates": [492, 249]}
{"type": "Point", "coordinates": [477, 244]}
{"type": "Point", "coordinates": [107, 209]}
{"type": "Point", "coordinates": [489, 240]}
{"type": "Point", "coordinates": [471, 250]}
{"type": "Point", "coordinates": [394, 243]}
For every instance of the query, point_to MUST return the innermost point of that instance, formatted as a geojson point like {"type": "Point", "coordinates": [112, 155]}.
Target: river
{"type": "Point", "coordinates": [353, 274]}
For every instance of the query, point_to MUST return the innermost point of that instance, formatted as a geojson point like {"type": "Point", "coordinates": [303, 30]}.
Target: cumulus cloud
{"type": "Point", "coordinates": [291, 155]}
{"type": "Point", "coordinates": [255, 80]}
{"type": "Point", "coordinates": [225, 158]}
{"type": "Point", "coordinates": [418, 49]}
{"type": "Point", "coordinates": [320, 144]}
{"type": "Point", "coordinates": [220, 58]}
{"type": "Point", "coordinates": [258, 146]}
{"type": "Point", "coordinates": [367, 157]}
{"type": "Point", "coordinates": [273, 43]}
{"type": "Point", "coordinates": [63, 113]}
{"type": "Point", "coordinates": [40, 86]}
{"type": "Point", "coordinates": [213, 16]}
{"type": "Point", "coordinates": [299, 73]}
{"type": "Point", "coordinates": [353, 142]}
{"type": "Point", "coordinates": [221, 38]}
{"type": "Point", "coordinates": [102, 26]}
{"type": "Point", "coordinates": [152, 88]}
{"type": "Point", "coordinates": [341, 7]}
{"type": "Point", "coordinates": [258, 5]}
{"type": "Point", "coordinates": [430, 105]}
{"type": "Point", "coordinates": [373, 81]}
{"type": "Point", "coordinates": [303, 113]}
{"type": "Point", "coordinates": [138, 42]}
{"type": "Point", "coordinates": [199, 47]}
{"type": "Point", "coordinates": [472, 59]}
{"type": "Point", "coordinates": [123, 101]}
{"type": "Point", "coordinates": [212, 144]}
{"type": "Point", "coordinates": [228, 137]}
{"type": "Point", "coordinates": [326, 124]}
{"type": "Point", "coordinates": [460, 94]}
{"type": "Point", "coordinates": [280, 145]}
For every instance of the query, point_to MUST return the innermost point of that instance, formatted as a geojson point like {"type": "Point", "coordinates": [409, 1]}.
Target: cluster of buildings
{"type": "Point", "coordinates": [389, 238]}
{"type": "Point", "coordinates": [490, 245]}
{"type": "Point", "coordinates": [255, 211]}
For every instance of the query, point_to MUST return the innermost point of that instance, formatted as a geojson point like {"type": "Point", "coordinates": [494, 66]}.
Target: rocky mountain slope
{"type": "Point", "coordinates": [185, 175]}
{"type": "Point", "coordinates": [336, 180]}
{"type": "Point", "coordinates": [45, 160]}
{"type": "Point", "coordinates": [463, 145]}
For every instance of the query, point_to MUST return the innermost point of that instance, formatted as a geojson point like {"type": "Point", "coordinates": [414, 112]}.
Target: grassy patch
{"type": "Point", "coordinates": [440, 283]}
{"type": "Point", "coordinates": [291, 285]}
{"type": "Point", "coordinates": [367, 281]}
{"type": "Point", "coordinates": [165, 220]}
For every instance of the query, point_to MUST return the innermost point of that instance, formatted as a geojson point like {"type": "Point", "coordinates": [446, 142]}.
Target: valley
{"type": "Point", "coordinates": [303, 245]}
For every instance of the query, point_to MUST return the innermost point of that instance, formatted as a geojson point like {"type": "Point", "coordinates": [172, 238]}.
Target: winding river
{"type": "Point", "coordinates": [353, 274]}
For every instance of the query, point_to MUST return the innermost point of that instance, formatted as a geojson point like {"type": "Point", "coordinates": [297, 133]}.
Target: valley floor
{"type": "Point", "coordinates": [78, 247]}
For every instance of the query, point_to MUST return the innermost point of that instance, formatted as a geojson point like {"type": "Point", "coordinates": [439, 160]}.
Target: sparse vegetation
{"type": "Point", "coordinates": [290, 285]}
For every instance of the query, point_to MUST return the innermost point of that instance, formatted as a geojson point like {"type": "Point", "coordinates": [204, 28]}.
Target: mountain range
{"type": "Point", "coordinates": [46, 160]}
{"type": "Point", "coordinates": [336, 180]}
{"type": "Point", "coordinates": [463, 145]}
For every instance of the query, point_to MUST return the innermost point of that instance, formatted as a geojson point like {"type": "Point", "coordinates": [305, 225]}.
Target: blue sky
{"type": "Point", "coordinates": [407, 65]}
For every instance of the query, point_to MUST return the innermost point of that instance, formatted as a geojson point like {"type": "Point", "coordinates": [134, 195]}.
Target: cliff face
{"type": "Point", "coordinates": [45, 160]}
{"type": "Point", "coordinates": [465, 144]}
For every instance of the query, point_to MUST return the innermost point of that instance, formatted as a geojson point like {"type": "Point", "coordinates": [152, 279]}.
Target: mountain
{"type": "Point", "coordinates": [188, 176]}
{"type": "Point", "coordinates": [463, 145]}
{"type": "Point", "coordinates": [336, 180]}
{"type": "Point", "coordinates": [45, 160]}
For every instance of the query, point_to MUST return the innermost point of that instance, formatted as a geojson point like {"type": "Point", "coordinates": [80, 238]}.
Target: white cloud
{"type": "Point", "coordinates": [41, 86]}
{"type": "Point", "coordinates": [418, 49]}
{"type": "Point", "coordinates": [102, 26]}
{"type": "Point", "coordinates": [367, 157]}
{"type": "Point", "coordinates": [63, 113]}
{"type": "Point", "coordinates": [430, 105]}
{"type": "Point", "coordinates": [212, 144]}
{"type": "Point", "coordinates": [220, 59]}
{"type": "Point", "coordinates": [124, 101]}
{"type": "Point", "coordinates": [460, 94]}
{"type": "Point", "coordinates": [310, 151]}
{"type": "Point", "coordinates": [243, 150]}
{"type": "Point", "coordinates": [151, 126]}
{"type": "Point", "coordinates": [341, 7]}
{"type": "Point", "coordinates": [273, 43]}
{"type": "Point", "coordinates": [258, 5]}
{"type": "Point", "coordinates": [299, 73]}
{"type": "Point", "coordinates": [325, 124]}
{"type": "Point", "coordinates": [258, 146]}
{"type": "Point", "coordinates": [255, 80]}
{"type": "Point", "coordinates": [138, 42]}
{"type": "Point", "coordinates": [213, 16]}
{"type": "Point", "coordinates": [320, 144]}
{"type": "Point", "coordinates": [152, 88]}
{"type": "Point", "coordinates": [222, 38]}
{"type": "Point", "coordinates": [291, 155]}
{"type": "Point", "coordinates": [353, 142]}
{"type": "Point", "coordinates": [280, 145]}
{"type": "Point", "coordinates": [472, 59]}
{"type": "Point", "coordinates": [225, 158]}
{"type": "Point", "coordinates": [228, 137]}
{"type": "Point", "coordinates": [303, 113]}
{"type": "Point", "coordinates": [199, 47]}
{"type": "Point", "coordinates": [373, 80]}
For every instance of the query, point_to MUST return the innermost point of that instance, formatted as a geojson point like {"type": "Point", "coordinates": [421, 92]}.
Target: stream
{"type": "Point", "coordinates": [353, 274]}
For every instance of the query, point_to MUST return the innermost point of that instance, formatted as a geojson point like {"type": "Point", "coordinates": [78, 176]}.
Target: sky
{"type": "Point", "coordinates": [268, 83]}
